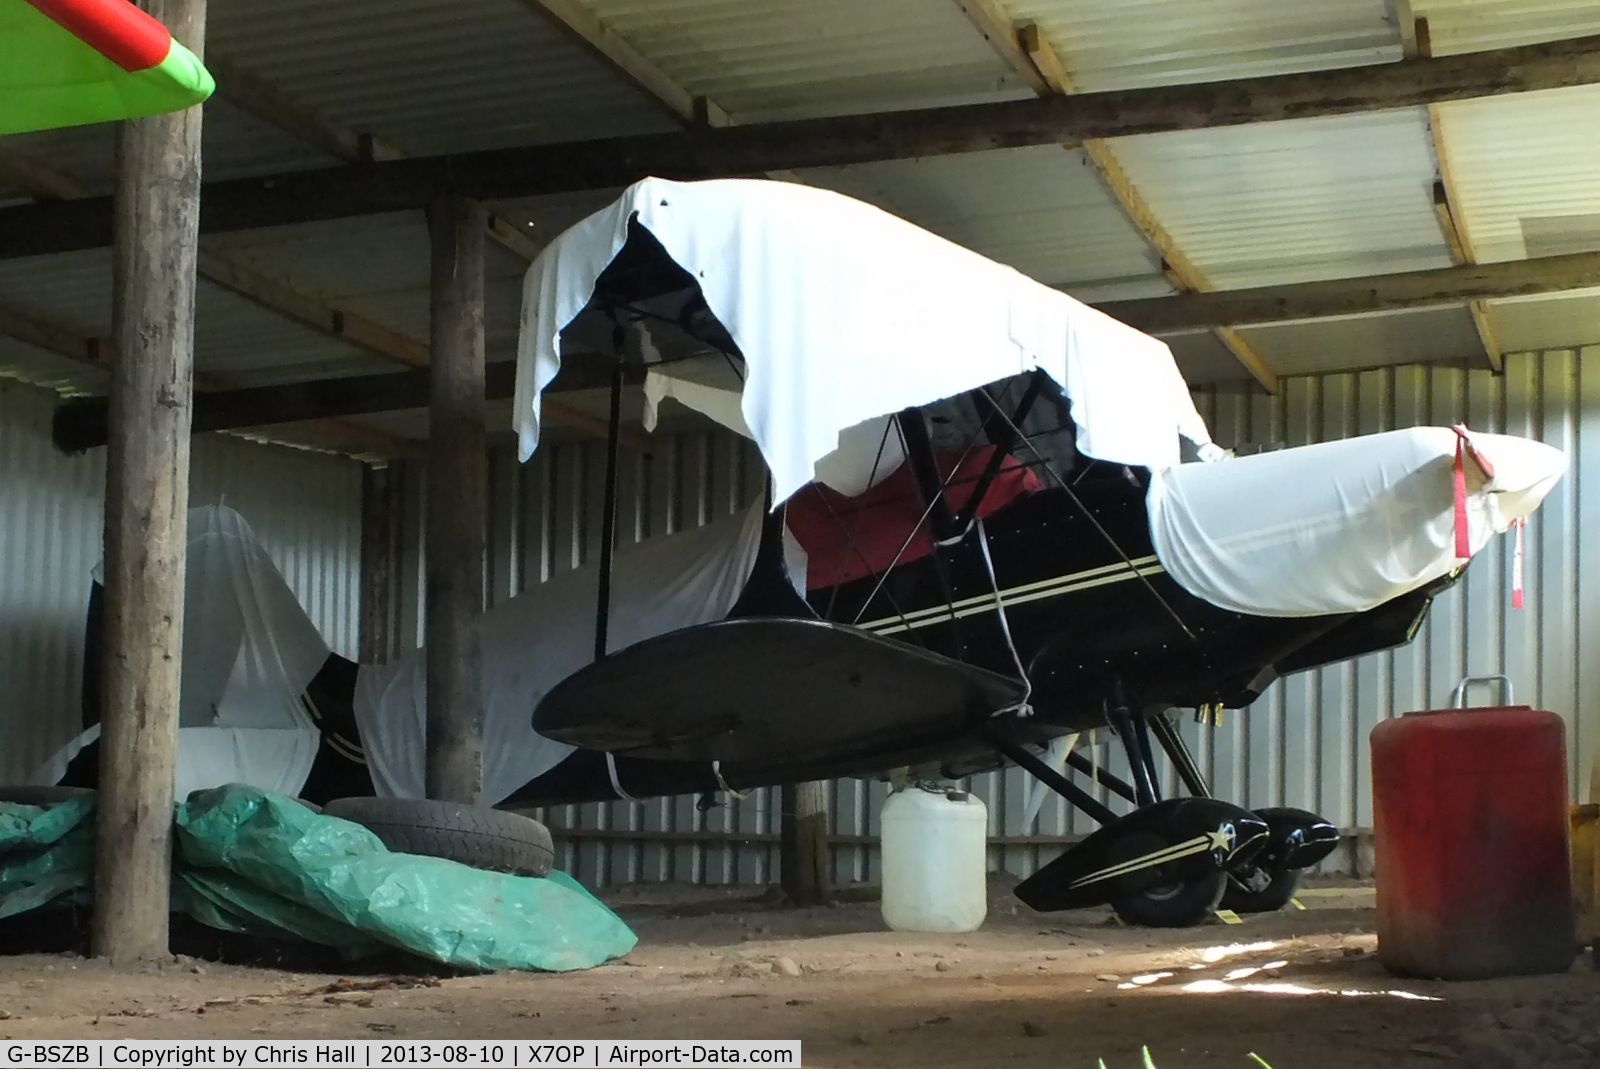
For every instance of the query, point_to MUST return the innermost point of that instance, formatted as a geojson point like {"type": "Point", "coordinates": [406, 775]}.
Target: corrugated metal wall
{"type": "Point", "coordinates": [1304, 743]}
{"type": "Point", "coordinates": [305, 506]}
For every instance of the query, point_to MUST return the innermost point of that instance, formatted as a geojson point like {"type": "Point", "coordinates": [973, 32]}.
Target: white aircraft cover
{"type": "Point", "coordinates": [1341, 526]}
{"type": "Point", "coordinates": [249, 651]}
{"type": "Point", "coordinates": [845, 313]}
{"type": "Point", "coordinates": [537, 639]}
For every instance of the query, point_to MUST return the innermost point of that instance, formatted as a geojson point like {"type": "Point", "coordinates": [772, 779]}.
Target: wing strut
{"type": "Point", "coordinates": [608, 518]}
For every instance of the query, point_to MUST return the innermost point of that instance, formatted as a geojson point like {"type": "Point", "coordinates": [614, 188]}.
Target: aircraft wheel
{"type": "Point", "coordinates": [1274, 896]}
{"type": "Point", "coordinates": [1172, 905]}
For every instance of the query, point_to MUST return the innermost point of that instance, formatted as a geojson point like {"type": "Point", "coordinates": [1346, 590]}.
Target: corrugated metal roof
{"type": "Point", "coordinates": [1041, 210]}
{"type": "Point", "coordinates": [243, 344]}
{"type": "Point", "coordinates": [1170, 42]}
{"type": "Point", "coordinates": [1476, 25]}
{"type": "Point", "coordinates": [1294, 201]}
{"type": "Point", "coordinates": [1203, 359]}
{"type": "Point", "coordinates": [71, 291]}
{"type": "Point", "coordinates": [1419, 336]}
{"type": "Point", "coordinates": [1559, 321]}
{"type": "Point", "coordinates": [772, 59]}
{"type": "Point", "coordinates": [1524, 170]}
{"type": "Point", "coordinates": [434, 76]}
{"type": "Point", "coordinates": [233, 144]}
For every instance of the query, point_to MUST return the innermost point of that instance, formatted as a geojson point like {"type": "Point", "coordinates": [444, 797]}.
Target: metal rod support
{"type": "Point", "coordinates": [1026, 758]}
{"type": "Point", "coordinates": [608, 518]}
{"type": "Point", "coordinates": [1113, 783]}
{"type": "Point", "coordinates": [1178, 753]}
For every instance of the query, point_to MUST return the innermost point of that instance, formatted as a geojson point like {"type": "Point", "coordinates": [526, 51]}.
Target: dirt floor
{"type": "Point", "coordinates": [1302, 989]}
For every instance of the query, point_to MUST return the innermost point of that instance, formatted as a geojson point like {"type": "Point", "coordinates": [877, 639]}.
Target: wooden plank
{"type": "Point", "coordinates": [1479, 311]}
{"type": "Point", "coordinates": [1039, 56]}
{"type": "Point", "coordinates": [502, 174]}
{"type": "Point", "coordinates": [1405, 24]}
{"type": "Point", "coordinates": [803, 843]}
{"type": "Point", "coordinates": [456, 505]}
{"type": "Point", "coordinates": [1350, 296]}
{"type": "Point", "coordinates": [146, 528]}
{"type": "Point", "coordinates": [589, 30]}
{"type": "Point", "coordinates": [1445, 200]}
{"type": "Point", "coordinates": [266, 101]}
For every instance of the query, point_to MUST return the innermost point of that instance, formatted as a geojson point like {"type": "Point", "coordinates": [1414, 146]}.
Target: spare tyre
{"type": "Point", "coordinates": [41, 796]}
{"type": "Point", "coordinates": [473, 835]}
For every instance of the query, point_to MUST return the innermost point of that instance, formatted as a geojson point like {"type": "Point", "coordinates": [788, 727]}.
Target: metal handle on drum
{"type": "Point", "coordinates": [1458, 699]}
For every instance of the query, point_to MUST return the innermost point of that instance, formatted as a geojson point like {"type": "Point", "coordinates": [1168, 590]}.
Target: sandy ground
{"type": "Point", "coordinates": [1303, 989]}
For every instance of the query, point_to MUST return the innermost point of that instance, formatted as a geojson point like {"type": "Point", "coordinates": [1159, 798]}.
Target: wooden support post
{"type": "Point", "coordinates": [157, 218]}
{"type": "Point", "coordinates": [458, 479]}
{"type": "Point", "coordinates": [380, 560]}
{"type": "Point", "coordinates": [803, 843]}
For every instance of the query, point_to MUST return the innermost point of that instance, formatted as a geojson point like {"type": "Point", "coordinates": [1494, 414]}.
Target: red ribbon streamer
{"type": "Point", "coordinates": [1516, 565]}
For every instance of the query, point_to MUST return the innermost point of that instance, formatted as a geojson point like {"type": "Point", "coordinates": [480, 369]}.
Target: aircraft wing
{"type": "Point", "coordinates": [72, 62]}
{"type": "Point", "coordinates": [769, 690]}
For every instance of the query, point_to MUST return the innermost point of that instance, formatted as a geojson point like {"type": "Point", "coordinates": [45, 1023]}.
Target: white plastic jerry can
{"type": "Point", "coordinates": [935, 860]}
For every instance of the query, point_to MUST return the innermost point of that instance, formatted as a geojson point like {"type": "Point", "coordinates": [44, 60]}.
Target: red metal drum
{"type": "Point", "coordinates": [1472, 843]}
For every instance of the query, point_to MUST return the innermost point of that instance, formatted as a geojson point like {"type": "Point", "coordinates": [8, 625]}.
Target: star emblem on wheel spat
{"type": "Point", "coordinates": [1222, 839]}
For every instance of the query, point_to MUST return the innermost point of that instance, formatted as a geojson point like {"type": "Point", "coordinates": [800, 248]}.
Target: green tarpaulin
{"type": "Point", "coordinates": [248, 861]}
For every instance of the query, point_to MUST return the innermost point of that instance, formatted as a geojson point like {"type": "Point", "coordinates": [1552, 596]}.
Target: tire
{"type": "Point", "coordinates": [1274, 896]}
{"type": "Point", "coordinates": [41, 796]}
{"type": "Point", "coordinates": [1163, 896]}
{"type": "Point", "coordinates": [473, 835]}
{"type": "Point", "coordinates": [1173, 905]}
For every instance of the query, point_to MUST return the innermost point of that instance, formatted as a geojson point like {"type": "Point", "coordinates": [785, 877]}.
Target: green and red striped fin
{"type": "Point", "coordinates": [71, 62]}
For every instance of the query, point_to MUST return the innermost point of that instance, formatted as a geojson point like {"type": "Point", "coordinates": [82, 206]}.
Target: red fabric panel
{"type": "Point", "coordinates": [115, 28]}
{"type": "Point", "coordinates": [847, 538]}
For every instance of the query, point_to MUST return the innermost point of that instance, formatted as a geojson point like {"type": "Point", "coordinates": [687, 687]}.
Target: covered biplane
{"type": "Point", "coordinates": [993, 520]}
{"type": "Point", "coordinates": [1002, 544]}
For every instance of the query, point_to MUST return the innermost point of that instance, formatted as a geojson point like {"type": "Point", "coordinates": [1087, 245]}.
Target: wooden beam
{"type": "Point", "coordinates": [146, 522]}
{"type": "Point", "coordinates": [589, 30]}
{"type": "Point", "coordinates": [1491, 346]}
{"type": "Point", "coordinates": [38, 179]}
{"type": "Point", "coordinates": [266, 101]}
{"type": "Point", "coordinates": [457, 505]}
{"type": "Point", "coordinates": [1352, 296]}
{"type": "Point", "coordinates": [500, 174]}
{"type": "Point", "coordinates": [1039, 56]}
{"type": "Point", "coordinates": [1405, 24]}
{"type": "Point", "coordinates": [1456, 237]}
